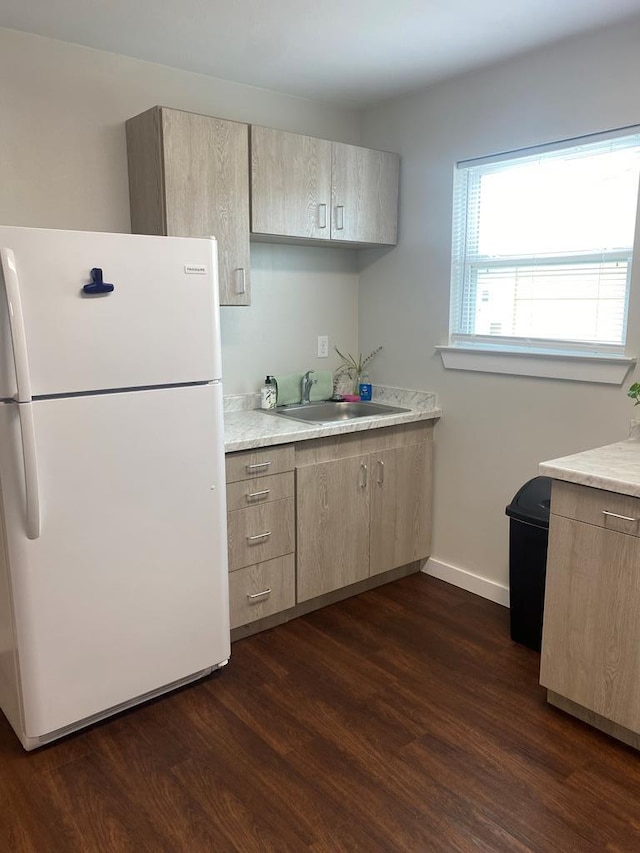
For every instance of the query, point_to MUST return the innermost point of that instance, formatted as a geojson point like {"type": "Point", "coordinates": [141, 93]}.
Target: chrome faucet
{"type": "Point", "coordinates": [307, 383]}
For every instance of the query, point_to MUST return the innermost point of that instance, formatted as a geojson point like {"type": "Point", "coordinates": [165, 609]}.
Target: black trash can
{"type": "Point", "coordinates": [528, 540]}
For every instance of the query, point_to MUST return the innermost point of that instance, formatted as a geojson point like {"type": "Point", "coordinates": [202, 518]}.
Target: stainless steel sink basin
{"type": "Point", "coordinates": [329, 412]}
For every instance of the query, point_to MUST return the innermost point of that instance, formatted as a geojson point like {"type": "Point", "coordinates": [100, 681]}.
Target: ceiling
{"type": "Point", "coordinates": [353, 52]}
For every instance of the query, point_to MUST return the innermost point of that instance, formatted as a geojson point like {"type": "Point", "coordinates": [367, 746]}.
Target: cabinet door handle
{"type": "Point", "coordinates": [621, 517]}
{"type": "Point", "coordinates": [242, 281]}
{"type": "Point", "coordinates": [322, 216]}
{"type": "Point", "coordinates": [257, 465]}
{"type": "Point", "coordinates": [258, 594]}
{"type": "Point", "coordinates": [380, 471]}
{"type": "Point", "coordinates": [259, 536]}
{"type": "Point", "coordinates": [252, 496]}
{"type": "Point", "coordinates": [363, 476]}
{"type": "Point", "coordinates": [340, 217]}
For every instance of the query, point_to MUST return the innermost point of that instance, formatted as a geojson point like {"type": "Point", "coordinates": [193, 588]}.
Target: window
{"type": "Point", "coordinates": [542, 248]}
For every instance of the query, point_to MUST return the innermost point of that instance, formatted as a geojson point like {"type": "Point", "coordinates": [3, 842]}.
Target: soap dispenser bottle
{"type": "Point", "coordinates": [268, 393]}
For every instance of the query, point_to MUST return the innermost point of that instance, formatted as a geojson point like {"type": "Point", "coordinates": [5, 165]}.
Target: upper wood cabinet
{"type": "Point", "coordinates": [313, 189]}
{"type": "Point", "coordinates": [290, 184]}
{"type": "Point", "coordinates": [189, 177]}
{"type": "Point", "coordinates": [364, 194]}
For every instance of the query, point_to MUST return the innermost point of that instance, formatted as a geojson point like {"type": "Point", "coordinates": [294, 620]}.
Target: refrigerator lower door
{"type": "Point", "coordinates": [126, 588]}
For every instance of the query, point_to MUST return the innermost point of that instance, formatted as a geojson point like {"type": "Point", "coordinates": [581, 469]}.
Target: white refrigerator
{"type": "Point", "coordinates": [113, 549]}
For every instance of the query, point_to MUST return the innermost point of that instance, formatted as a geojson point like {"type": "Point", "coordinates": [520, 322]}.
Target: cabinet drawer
{"type": "Point", "coordinates": [261, 590]}
{"type": "Point", "coordinates": [249, 464]}
{"type": "Point", "coordinates": [260, 533]}
{"type": "Point", "coordinates": [610, 510]}
{"type": "Point", "coordinates": [253, 492]}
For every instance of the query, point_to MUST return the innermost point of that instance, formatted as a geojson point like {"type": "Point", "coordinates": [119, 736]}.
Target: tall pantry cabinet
{"type": "Point", "coordinates": [189, 177]}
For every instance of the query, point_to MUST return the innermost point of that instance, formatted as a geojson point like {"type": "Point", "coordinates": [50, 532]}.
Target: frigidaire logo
{"type": "Point", "coordinates": [195, 269]}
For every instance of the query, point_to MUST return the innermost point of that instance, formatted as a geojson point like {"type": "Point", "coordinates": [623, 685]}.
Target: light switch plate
{"type": "Point", "coordinates": [323, 346]}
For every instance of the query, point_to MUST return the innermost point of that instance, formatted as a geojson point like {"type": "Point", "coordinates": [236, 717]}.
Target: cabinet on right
{"type": "Point", "coordinates": [363, 506]}
{"type": "Point", "coordinates": [313, 189]}
{"type": "Point", "coordinates": [591, 638]}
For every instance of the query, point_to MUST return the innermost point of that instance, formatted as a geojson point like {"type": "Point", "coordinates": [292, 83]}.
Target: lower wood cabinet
{"type": "Point", "coordinates": [332, 525]}
{"type": "Point", "coordinates": [261, 533]}
{"type": "Point", "coordinates": [262, 590]}
{"type": "Point", "coordinates": [361, 509]}
{"type": "Point", "coordinates": [361, 514]}
{"type": "Point", "coordinates": [591, 638]}
{"type": "Point", "coordinates": [400, 529]}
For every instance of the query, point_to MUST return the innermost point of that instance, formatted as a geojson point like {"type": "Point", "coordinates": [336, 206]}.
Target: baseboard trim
{"type": "Point", "coordinates": [467, 580]}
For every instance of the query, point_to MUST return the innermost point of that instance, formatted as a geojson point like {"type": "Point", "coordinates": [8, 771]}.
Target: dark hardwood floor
{"type": "Point", "coordinates": [403, 719]}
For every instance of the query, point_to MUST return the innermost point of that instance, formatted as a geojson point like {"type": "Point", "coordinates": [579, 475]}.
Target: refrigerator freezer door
{"type": "Point", "coordinates": [158, 326]}
{"type": "Point", "coordinates": [126, 589]}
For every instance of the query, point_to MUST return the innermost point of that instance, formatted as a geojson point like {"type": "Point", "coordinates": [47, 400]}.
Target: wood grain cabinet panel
{"type": "Point", "coordinates": [262, 590]}
{"type": "Point", "coordinates": [332, 525]}
{"type": "Point", "coordinates": [400, 506]}
{"type": "Point", "coordinates": [591, 635]}
{"type": "Point", "coordinates": [313, 189]}
{"type": "Point", "coordinates": [597, 506]}
{"type": "Point", "coordinates": [189, 177]}
{"type": "Point", "coordinates": [364, 195]}
{"type": "Point", "coordinates": [261, 490]}
{"type": "Point", "coordinates": [260, 533]}
{"type": "Point", "coordinates": [251, 464]}
{"type": "Point", "coordinates": [290, 184]}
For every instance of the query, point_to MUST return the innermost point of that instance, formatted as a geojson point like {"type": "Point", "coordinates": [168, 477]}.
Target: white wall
{"type": "Point", "coordinates": [495, 429]}
{"type": "Point", "coordinates": [63, 165]}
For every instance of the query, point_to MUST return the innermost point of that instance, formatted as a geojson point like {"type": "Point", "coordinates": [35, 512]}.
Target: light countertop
{"type": "Point", "coordinates": [614, 467]}
{"type": "Point", "coordinates": [246, 429]}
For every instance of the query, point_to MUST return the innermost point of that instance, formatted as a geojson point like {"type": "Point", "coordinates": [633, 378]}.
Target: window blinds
{"type": "Point", "coordinates": [542, 247]}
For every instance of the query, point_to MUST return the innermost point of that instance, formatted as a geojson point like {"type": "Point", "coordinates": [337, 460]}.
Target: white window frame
{"type": "Point", "coordinates": [588, 361]}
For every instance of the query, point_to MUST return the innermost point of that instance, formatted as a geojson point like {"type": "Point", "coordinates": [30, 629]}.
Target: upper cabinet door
{"type": "Point", "coordinates": [313, 189]}
{"type": "Point", "coordinates": [364, 195]}
{"type": "Point", "coordinates": [290, 184]}
{"type": "Point", "coordinates": [189, 177]}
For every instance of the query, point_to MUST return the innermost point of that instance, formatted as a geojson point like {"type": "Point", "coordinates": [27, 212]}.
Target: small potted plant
{"type": "Point", "coordinates": [354, 368]}
{"type": "Point", "coordinates": [634, 393]}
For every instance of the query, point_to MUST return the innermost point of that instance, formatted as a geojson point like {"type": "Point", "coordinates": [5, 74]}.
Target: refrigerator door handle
{"type": "Point", "coordinates": [16, 324]}
{"type": "Point", "coordinates": [30, 459]}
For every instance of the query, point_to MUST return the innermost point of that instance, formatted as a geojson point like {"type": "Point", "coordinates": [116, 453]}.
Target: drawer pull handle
{"type": "Point", "coordinates": [380, 471]}
{"type": "Point", "coordinates": [259, 594]}
{"type": "Point", "coordinates": [258, 465]}
{"type": "Point", "coordinates": [621, 517]}
{"type": "Point", "coordinates": [252, 496]}
{"type": "Point", "coordinates": [363, 476]}
{"type": "Point", "coordinates": [258, 537]}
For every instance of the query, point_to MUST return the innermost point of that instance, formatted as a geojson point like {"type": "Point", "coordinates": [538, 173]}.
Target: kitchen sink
{"type": "Point", "coordinates": [330, 412]}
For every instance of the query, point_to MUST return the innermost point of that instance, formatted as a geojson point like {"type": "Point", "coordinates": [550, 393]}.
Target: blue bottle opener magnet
{"type": "Point", "coordinates": [97, 286]}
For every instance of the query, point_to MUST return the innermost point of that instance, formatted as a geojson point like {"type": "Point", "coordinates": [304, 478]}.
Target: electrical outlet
{"type": "Point", "coordinates": [323, 346]}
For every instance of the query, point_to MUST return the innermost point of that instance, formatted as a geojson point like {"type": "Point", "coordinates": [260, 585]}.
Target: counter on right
{"type": "Point", "coordinates": [590, 660]}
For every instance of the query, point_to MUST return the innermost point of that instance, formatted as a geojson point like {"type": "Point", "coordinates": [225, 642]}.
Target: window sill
{"type": "Point", "coordinates": [609, 370]}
